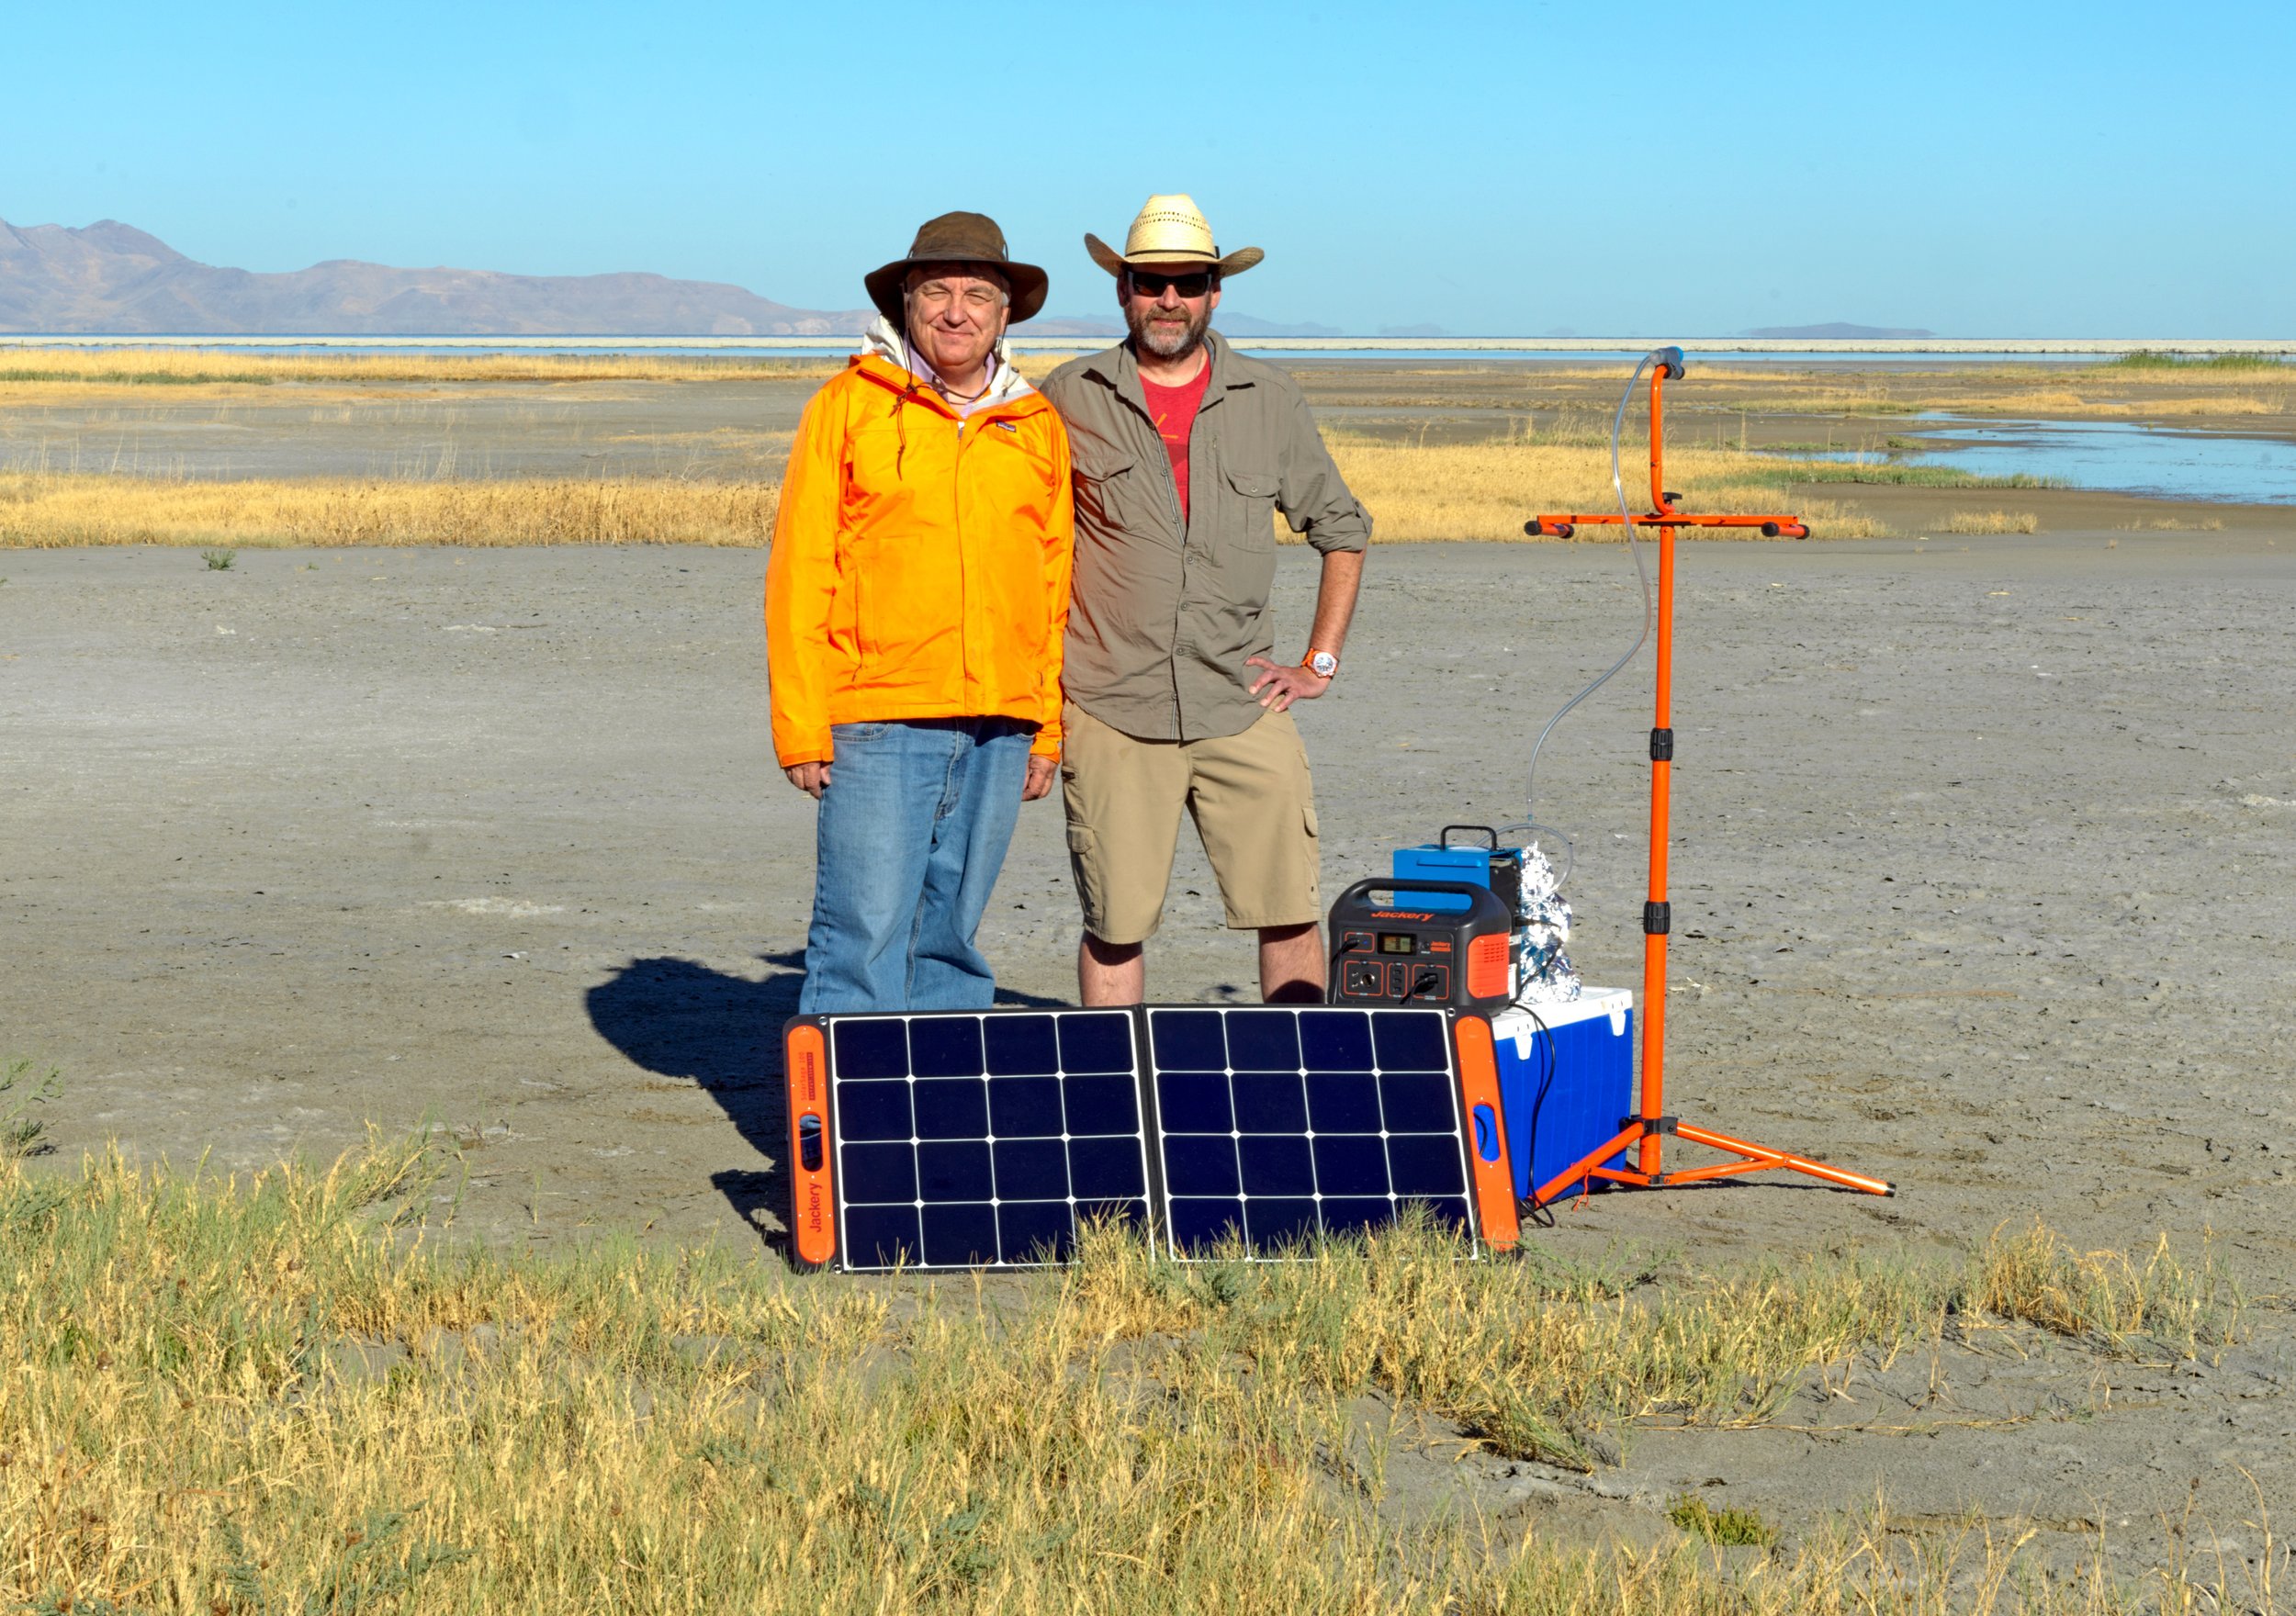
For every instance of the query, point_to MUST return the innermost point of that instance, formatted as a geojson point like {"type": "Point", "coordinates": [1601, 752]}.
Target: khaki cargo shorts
{"type": "Point", "coordinates": [1253, 804]}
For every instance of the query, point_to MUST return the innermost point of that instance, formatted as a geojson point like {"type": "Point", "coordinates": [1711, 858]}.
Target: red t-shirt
{"type": "Point", "coordinates": [1174, 411]}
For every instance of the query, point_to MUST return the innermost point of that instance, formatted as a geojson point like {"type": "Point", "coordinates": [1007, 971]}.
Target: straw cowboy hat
{"type": "Point", "coordinates": [958, 238]}
{"type": "Point", "coordinates": [1170, 230]}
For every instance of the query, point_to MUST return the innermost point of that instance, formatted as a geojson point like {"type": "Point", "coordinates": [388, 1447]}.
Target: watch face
{"type": "Point", "coordinates": [1324, 664]}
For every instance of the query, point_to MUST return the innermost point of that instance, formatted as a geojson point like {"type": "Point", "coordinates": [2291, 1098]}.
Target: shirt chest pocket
{"type": "Point", "coordinates": [1112, 494]}
{"type": "Point", "coordinates": [1254, 493]}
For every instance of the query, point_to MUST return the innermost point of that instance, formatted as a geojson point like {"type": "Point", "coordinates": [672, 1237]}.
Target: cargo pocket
{"type": "Point", "coordinates": [1256, 490]}
{"type": "Point", "coordinates": [1084, 867]}
{"type": "Point", "coordinates": [1313, 851]}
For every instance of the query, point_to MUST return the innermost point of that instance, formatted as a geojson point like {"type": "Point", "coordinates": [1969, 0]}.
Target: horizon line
{"type": "Point", "coordinates": [1464, 344]}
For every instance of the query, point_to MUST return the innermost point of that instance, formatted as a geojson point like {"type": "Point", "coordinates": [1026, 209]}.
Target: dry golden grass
{"type": "Point", "coordinates": [1415, 493]}
{"type": "Point", "coordinates": [1989, 522]}
{"type": "Point", "coordinates": [2158, 1307]}
{"type": "Point", "coordinates": [2092, 401]}
{"type": "Point", "coordinates": [1486, 491]}
{"type": "Point", "coordinates": [62, 368]}
{"type": "Point", "coordinates": [37, 512]}
{"type": "Point", "coordinates": [273, 1393]}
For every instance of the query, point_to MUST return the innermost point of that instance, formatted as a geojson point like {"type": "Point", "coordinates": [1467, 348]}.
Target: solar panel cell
{"type": "Point", "coordinates": [1267, 1102]}
{"type": "Point", "coordinates": [1101, 1105]}
{"type": "Point", "coordinates": [1107, 1170]}
{"type": "Point", "coordinates": [959, 1234]}
{"type": "Point", "coordinates": [1096, 1041]}
{"type": "Point", "coordinates": [1343, 1102]}
{"type": "Point", "coordinates": [1335, 1041]}
{"type": "Point", "coordinates": [871, 1047]}
{"type": "Point", "coordinates": [1031, 1170]}
{"type": "Point", "coordinates": [1025, 1106]}
{"type": "Point", "coordinates": [1264, 1043]}
{"type": "Point", "coordinates": [945, 1045]}
{"type": "Point", "coordinates": [1201, 1165]}
{"type": "Point", "coordinates": [1410, 1042]}
{"type": "Point", "coordinates": [1194, 1102]}
{"type": "Point", "coordinates": [1019, 1045]}
{"type": "Point", "coordinates": [950, 1108]}
{"type": "Point", "coordinates": [874, 1111]}
{"type": "Point", "coordinates": [1414, 1102]}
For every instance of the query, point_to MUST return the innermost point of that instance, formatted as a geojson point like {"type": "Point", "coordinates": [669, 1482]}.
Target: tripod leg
{"type": "Point", "coordinates": [1762, 1156]}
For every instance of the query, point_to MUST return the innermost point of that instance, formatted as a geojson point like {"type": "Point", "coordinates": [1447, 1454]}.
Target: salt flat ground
{"type": "Point", "coordinates": [1981, 884]}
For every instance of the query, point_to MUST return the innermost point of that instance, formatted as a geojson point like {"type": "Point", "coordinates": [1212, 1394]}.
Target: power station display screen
{"type": "Point", "coordinates": [1398, 942]}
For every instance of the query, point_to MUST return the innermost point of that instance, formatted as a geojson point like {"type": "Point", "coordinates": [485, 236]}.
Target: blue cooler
{"type": "Point", "coordinates": [1566, 1080]}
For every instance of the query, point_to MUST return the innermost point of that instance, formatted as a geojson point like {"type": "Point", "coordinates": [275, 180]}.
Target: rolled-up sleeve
{"type": "Point", "coordinates": [1314, 497]}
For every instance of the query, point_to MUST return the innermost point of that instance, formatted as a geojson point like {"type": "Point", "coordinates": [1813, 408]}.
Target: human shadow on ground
{"type": "Point", "coordinates": [683, 1019]}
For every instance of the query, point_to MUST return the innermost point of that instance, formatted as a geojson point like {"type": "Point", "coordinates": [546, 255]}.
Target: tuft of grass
{"type": "Point", "coordinates": [2163, 1305]}
{"type": "Point", "coordinates": [2153, 359]}
{"type": "Point", "coordinates": [219, 560]}
{"type": "Point", "coordinates": [2174, 524]}
{"type": "Point", "coordinates": [1728, 1528]}
{"type": "Point", "coordinates": [21, 1089]}
{"type": "Point", "coordinates": [1989, 522]}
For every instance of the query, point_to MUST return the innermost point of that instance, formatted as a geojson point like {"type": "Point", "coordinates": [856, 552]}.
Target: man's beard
{"type": "Point", "coordinates": [1176, 340]}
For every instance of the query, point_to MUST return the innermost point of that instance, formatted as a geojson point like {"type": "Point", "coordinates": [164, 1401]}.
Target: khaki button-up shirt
{"type": "Point", "coordinates": [1165, 614]}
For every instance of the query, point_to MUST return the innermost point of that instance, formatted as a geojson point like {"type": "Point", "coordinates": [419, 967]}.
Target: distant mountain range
{"type": "Point", "coordinates": [111, 278]}
{"type": "Point", "coordinates": [1837, 330]}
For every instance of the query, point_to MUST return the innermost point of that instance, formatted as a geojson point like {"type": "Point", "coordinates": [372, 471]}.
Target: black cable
{"type": "Point", "coordinates": [1545, 1036]}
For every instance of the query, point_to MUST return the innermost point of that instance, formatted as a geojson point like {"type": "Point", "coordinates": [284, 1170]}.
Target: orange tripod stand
{"type": "Point", "coordinates": [1647, 1129]}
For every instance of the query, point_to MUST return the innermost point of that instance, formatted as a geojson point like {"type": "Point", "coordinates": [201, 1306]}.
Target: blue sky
{"type": "Point", "coordinates": [1981, 169]}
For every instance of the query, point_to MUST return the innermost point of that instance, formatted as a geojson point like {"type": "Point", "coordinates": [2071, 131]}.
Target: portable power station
{"type": "Point", "coordinates": [1404, 951]}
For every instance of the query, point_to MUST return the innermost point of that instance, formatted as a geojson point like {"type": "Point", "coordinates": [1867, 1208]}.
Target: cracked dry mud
{"type": "Point", "coordinates": [1980, 883]}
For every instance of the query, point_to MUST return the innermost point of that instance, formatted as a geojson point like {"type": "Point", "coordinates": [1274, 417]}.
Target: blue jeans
{"type": "Point", "coordinates": [911, 834]}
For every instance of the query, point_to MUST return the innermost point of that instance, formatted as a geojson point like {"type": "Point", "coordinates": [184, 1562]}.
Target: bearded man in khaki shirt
{"type": "Point", "coordinates": [1184, 452]}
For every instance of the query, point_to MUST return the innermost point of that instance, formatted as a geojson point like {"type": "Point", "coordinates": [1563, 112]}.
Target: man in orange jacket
{"type": "Point", "coordinates": [915, 600]}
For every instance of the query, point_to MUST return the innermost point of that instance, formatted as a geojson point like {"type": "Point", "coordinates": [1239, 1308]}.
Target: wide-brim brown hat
{"type": "Point", "coordinates": [1170, 230]}
{"type": "Point", "coordinates": [958, 238]}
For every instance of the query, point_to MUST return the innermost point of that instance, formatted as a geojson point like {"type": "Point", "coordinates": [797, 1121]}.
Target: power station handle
{"type": "Point", "coordinates": [1413, 883]}
{"type": "Point", "coordinates": [1491, 837]}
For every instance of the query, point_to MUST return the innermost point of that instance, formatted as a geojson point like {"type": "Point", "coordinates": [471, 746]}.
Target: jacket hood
{"type": "Point", "coordinates": [889, 342]}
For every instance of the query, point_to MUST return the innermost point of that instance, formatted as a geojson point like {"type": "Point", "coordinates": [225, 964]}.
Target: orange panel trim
{"type": "Point", "coordinates": [1478, 1087]}
{"type": "Point", "coordinates": [812, 1209]}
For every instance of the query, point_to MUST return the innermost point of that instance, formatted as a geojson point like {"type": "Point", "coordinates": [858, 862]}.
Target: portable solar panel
{"type": "Point", "coordinates": [1275, 1124]}
{"type": "Point", "coordinates": [961, 1140]}
{"type": "Point", "coordinates": [980, 1139]}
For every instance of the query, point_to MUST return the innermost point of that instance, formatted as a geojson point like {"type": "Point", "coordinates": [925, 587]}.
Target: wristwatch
{"type": "Point", "coordinates": [1322, 664]}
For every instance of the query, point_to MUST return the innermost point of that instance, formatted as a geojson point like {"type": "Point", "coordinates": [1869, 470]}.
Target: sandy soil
{"type": "Point", "coordinates": [1980, 884]}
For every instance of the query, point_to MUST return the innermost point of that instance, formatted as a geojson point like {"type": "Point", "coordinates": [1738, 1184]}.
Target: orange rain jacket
{"type": "Point", "coordinates": [920, 563]}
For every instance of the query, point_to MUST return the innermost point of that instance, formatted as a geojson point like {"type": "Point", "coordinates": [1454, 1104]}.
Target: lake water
{"type": "Point", "coordinates": [2111, 457]}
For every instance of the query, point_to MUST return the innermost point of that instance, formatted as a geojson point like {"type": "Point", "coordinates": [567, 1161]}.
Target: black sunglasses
{"type": "Point", "coordinates": [1194, 284]}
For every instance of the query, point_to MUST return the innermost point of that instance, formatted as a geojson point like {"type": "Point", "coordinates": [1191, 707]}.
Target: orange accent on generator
{"type": "Point", "coordinates": [1487, 966]}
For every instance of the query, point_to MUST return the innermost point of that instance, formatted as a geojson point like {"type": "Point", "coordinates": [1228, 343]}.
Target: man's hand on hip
{"type": "Point", "coordinates": [1040, 780]}
{"type": "Point", "coordinates": [1283, 686]}
{"type": "Point", "coordinates": [813, 779]}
